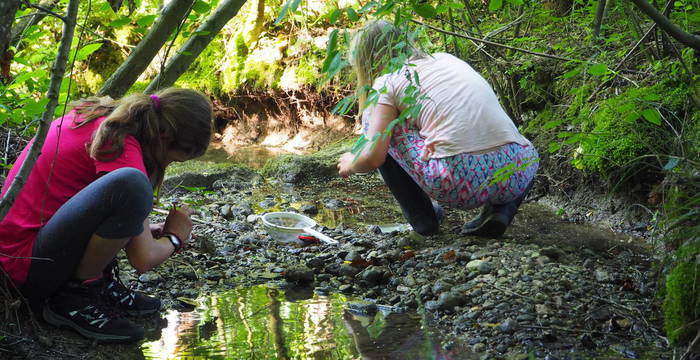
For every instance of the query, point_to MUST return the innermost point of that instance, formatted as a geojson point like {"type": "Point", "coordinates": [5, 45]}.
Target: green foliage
{"type": "Point", "coordinates": [682, 301]}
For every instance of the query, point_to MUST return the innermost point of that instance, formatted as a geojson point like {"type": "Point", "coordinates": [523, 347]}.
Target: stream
{"type": "Point", "coordinates": [551, 288]}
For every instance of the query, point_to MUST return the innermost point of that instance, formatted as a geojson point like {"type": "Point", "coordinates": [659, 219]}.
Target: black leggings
{"type": "Point", "coordinates": [113, 207]}
{"type": "Point", "coordinates": [415, 204]}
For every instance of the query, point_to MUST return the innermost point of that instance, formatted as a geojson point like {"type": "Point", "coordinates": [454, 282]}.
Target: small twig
{"type": "Point", "coordinates": [186, 264]}
{"type": "Point", "coordinates": [48, 11]}
{"type": "Point", "coordinates": [568, 329]}
{"type": "Point", "coordinates": [26, 257]}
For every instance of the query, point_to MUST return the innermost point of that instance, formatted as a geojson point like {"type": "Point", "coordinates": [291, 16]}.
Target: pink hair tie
{"type": "Point", "coordinates": [156, 102]}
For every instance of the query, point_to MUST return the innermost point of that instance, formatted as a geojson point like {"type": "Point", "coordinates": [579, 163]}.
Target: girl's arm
{"type": "Point", "coordinates": [146, 252]}
{"type": "Point", "coordinates": [375, 151]}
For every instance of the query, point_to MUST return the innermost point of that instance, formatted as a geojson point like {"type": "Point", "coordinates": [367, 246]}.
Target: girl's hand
{"type": "Point", "coordinates": [156, 230]}
{"type": "Point", "coordinates": [179, 222]}
{"type": "Point", "coordinates": [345, 164]}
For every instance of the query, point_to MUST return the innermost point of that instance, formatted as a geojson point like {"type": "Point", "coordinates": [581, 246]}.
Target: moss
{"type": "Point", "coordinates": [682, 301]}
{"type": "Point", "coordinates": [616, 132]}
{"type": "Point", "coordinates": [304, 168]}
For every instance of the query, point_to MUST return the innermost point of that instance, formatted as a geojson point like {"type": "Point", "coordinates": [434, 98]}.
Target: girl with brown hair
{"type": "Point", "coordinates": [89, 196]}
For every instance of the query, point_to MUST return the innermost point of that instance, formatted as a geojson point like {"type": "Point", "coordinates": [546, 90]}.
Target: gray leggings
{"type": "Point", "coordinates": [113, 207]}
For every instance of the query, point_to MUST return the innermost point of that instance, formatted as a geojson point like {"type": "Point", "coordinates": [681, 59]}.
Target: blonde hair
{"type": "Point", "coordinates": [371, 49]}
{"type": "Point", "coordinates": [178, 119]}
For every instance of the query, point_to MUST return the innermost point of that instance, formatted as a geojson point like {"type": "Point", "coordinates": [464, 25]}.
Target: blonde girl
{"type": "Point", "coordinates": [452, 146]}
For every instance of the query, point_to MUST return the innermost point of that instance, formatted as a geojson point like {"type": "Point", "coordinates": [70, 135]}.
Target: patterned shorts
{"type": "Point", "coordinates": [466, 181]}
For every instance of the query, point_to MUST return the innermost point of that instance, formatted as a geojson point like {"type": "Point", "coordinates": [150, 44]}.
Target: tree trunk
{"type": "Point", "coordinates": [179, 63]}
{"type": "Point", "coordinates": [59, 68]}
{"type": "Point", "coordinates": [139, 59]}
{"type": "Point", "coordinates": [8, 8]}
{"type": "Point", "coordinates": [34, 19]}
{"type": "Point", "coordinates": [258, 25]}
{"type": "Point", "coordinates": [664, 23]}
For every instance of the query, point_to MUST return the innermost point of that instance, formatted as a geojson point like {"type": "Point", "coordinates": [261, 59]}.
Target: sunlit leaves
{"type": "Point", "coordinates": [652, 115]}
{"type": "Point", "coordinates": [598, 69]}
{"type": "Point", "coordinates": [146, 20]}
{"type": "Point", "coordinates": [85, 51]}
{"type": "Point", "coordinates": [352, 14]}
{"type": "Point", "coordinates": [495, 5]}
{"type": "Point", "coordinates": [289, 7]}
{"type": "Point", "coordinates": [425, 10]}
{"type": "Point", "coordinates": [201, 7]}
{"type": "Point", "coordinates": [120, 22]}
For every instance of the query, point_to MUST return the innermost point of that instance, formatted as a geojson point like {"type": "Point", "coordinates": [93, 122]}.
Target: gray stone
{"type": "Point", "coordinates": [299, 275]}
{"type": "Point", "coordinates": [348, 270]}
{"type": "Point", "coordinates": [150, 278]}
{"type": "Point", "coordinates": [310, 209]}
{"type": "Point", "coordinates": [441, 286]}
{"type": "Point", "coordinates": [508, 326]}
{"type": "Point", "coordinates": [447, 301]}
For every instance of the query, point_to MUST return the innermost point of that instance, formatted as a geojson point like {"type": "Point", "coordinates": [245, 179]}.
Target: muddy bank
{"type": "Point", "coordinates": [550, 288]}
{"type": "Point", "coordinates": [297, 121]}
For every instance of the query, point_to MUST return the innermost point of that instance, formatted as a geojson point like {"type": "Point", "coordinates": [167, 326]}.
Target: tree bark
{"type": "Point", "coordinates": [8, 8]}
{"type": "Point", "coordinates": [34, 19]}
{"type": "Point", "coordinates": [179, 63]}
{"type": "Point", "coordinates": [142, 55]}
{"type": "Point", "coordinates": [57, 72]}
{"type": "Point", "coordinates": [664, 23]}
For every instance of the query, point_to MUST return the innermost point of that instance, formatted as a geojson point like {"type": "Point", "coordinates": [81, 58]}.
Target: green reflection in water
{"type": "Point", "coordinates": [265, 323]}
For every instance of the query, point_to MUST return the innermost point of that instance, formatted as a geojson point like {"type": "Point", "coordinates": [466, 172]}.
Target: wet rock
{"type": "Point", "coordinates": [474, 265]}
{"type": "Point", "coordinates": [348, 270]}
{"type": "Point", "coordinates": [310, 209]}
{"type": "Point", "coordinates": [240, 227]}
{"type": "Point", "coordinates": [299, 275]}
{"type": "Point", "coordinates": [508, 326]}
{"type": "Point", "coordinates": [345, 288]}
{"type": "Point", "coordinates": [150, 278]}
{"type": "Point", "coordinates": [441, 286]}
{"type": "Point", "coordinates": [267, 203]}
{"type": "Point", "coordinates": [363, 308]}
{"type": "Point", "coordinates": [447, 301]}
{"type": "Point", "coordinates": [553, 252]}
{"type": "Point", "coordinates": [353, 256]}
{"type": "Point", "coordinates": [374, 275]}
{"type": "Point", "coordinates": [600, 314]}
{"type": "Point", "coordinates": [334, 204]}
{"type": "Point", "coordinates": [601, 275]}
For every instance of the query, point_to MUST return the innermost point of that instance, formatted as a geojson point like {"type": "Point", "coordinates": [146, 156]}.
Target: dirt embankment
{"type": "Point", "coordinates": [296, 121]}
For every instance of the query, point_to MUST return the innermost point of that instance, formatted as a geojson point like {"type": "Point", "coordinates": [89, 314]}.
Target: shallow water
{"type": "Point", "coordinates": [261, 322]}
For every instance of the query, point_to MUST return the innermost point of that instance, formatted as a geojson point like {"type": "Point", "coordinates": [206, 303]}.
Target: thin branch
{"type": "Point", "coordinates": [557, 57]}
{"type": "Point", "coordinates": [668, 26]}
{"type": "Point", "coordinates": [48, 11]}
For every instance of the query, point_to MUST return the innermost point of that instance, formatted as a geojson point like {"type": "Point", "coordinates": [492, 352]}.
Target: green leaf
{"type": "Point", "coordinates": [86, 50]}
{"type": "Point", "coordinates": [495, 5]}
{"type": "Point", "coordinates": [554, 147]}
{"type": "Point", "coordinates": [425, 10]}
{"type": "Point", "coordinates": [456, 5]}
{"type": "Point", "coordinates": [201, 33]}
{"type": "Point", "coordinates": [515, 2]}
{"type": "Point", "coordinates": [294, 6]}
{"type": "Point", "coordinates": [283, 12]}
{"type": "Point", "coordinates": [368, 6]}
{"type": "Point", "coordinates": [570, 74]}
{"type": "Point", "coordinates": [652, 115]}
{"type": "Point", "coordinates": [352, 14]}
{"type": "Point", "coordinates": [201, 7]}
{"type": "Point", "coordinates": [120, 22]}
{"type": "Point", "coordinates": [146, 20]}
{"type": "Point", "coordinates": [335, 15]}
{"type": "Point", "coordinates": [598, 70]}
{"type": "Point", "coordinates": [385, 8]}
{"type": "Point", "coordinates": [332, 43]}
{"type": "Point", "coordinates": [186, 53]}
{"type": "Point", "coordinates": [651, 96]}
{"type": "Point", "coordinates": [552, 124]}
{"type": "Point", "coordinates": [34, 108]}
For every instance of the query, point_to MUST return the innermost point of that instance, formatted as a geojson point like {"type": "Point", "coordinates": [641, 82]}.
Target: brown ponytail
{"type": "Point", "coordinates": [171, 119]}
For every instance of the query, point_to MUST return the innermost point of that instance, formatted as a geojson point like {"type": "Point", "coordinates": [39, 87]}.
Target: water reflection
{"type": "Point", "coordinates": [264, 323]}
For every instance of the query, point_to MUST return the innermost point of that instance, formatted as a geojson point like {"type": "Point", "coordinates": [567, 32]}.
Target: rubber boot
{"type": "Point", "coordinates": [474, 223]}
{"type": "Point", "coordinates": [501, 216]}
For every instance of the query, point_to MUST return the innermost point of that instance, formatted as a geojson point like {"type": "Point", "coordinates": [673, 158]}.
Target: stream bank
{"type": "Point", "coordinates": [549, 289]}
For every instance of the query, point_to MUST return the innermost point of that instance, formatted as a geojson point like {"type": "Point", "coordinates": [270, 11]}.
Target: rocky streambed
{"type": "Point", "coordinates": [549, 289]}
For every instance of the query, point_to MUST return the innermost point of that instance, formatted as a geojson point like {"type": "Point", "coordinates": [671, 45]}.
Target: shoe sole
{"type": "Point", "coordinates": [492, 227]}
{"type": "Point", "coordinates": [60, 321]}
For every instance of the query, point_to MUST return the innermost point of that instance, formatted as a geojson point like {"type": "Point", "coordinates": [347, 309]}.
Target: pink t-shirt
{"type": "Point", "coordinates": [62, 170]}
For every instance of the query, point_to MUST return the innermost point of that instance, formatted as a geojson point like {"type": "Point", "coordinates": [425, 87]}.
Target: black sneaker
{"type": "Point", "coordinates": [124, 299]}
{"type": "Point", "coordinates": [79, 307]}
